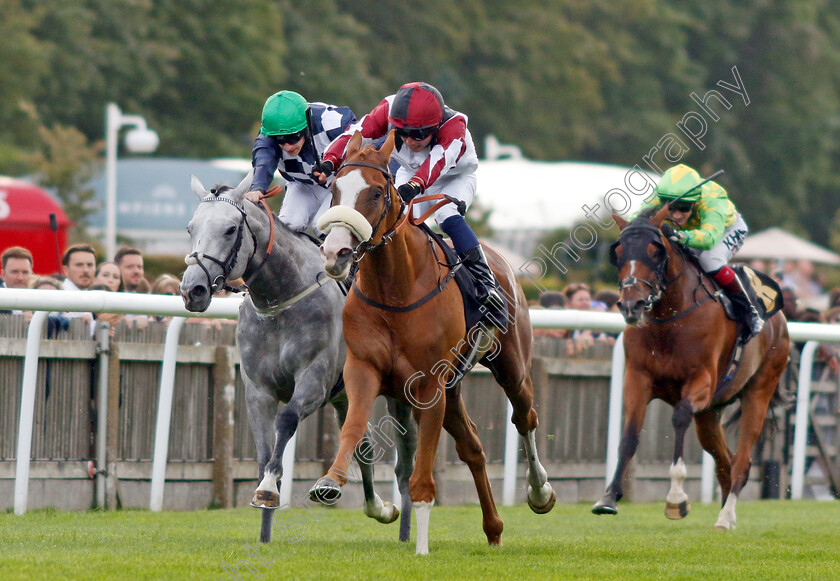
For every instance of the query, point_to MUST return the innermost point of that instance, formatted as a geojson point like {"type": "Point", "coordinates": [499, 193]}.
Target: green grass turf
{"type": "Point", "coordinates": [773, 540]}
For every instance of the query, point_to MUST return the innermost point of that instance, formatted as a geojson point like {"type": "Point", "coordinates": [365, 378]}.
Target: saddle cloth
{"type": "Point", "coordinates": [764, 290]}
{"type": "Point", "coordinates": [766, 295]}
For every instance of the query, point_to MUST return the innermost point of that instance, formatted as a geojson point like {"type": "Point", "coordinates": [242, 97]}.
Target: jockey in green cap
{"type": "Point", "coordinates": [293, 136]}
{"type": "Point", "coordinates": [704, 218]}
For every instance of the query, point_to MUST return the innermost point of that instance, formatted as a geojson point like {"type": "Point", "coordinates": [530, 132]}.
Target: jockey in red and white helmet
{"type": "Point", "coordinates": [436, 154]}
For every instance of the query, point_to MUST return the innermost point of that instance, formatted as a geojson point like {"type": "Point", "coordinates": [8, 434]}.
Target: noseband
{"type": "Point", "coordinates": [365, 246]}
{"type": "Point", "coordinates": [634, 240]}
{"type": "Point", "coordinates": [228, 263]}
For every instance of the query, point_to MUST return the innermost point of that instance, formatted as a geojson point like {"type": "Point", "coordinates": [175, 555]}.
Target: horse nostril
{"type": "Point", "coordinates": [198, 292]}
{"type": "Point", "coordinates": [344, 252]}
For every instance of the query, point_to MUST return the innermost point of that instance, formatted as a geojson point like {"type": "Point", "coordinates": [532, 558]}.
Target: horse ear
{"type": "Point", "coordinates": [243, 186]}
{"type": "Point", "coordinates": [197, 187]}
{"type": "Point", "coordinates": [622, 223]}
{"type": "Point", "coordinates": [659, 216]}
{"type": "Point", "coordinates": [354, 145]}
{"type": "Point", "coordinates": [388, 147]}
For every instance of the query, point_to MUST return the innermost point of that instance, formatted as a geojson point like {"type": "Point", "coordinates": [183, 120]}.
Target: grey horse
{"type": "Point", "coordinates": [289, 336]}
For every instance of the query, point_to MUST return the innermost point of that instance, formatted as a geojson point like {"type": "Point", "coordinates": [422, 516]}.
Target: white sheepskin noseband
{"type": "Point", "coordinates": [347, 217]}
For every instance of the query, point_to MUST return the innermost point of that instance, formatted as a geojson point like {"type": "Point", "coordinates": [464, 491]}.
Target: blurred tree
{"type": "Point", "coordinates": [64, 163]}
{"type": "Point", "coordinates": [22, 67]}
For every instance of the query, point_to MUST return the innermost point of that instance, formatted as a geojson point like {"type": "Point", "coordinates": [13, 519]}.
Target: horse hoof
{"type": "Point", "coordinates": [677, 511]}
{"type": "Point", "coordinates": [604, 506]}
{"type": "Point", "coordinates": [544, 508]}
{"type": "Point", "coordinates": [394, 516]}
{"type": "Point", "coordinates": [265, 499]}
{"type": "Point", "coordinates": [325, 491]}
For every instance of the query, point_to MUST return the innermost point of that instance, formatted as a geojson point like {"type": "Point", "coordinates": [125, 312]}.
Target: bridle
{"type": "Point", "coordinates": [636, 240]}
{"type": "Point", "coordinates": [405, 215]}
{"type": "Point", "coordinates": [366, 246]}
{"type": "Point", "coordinates": [228, 263]}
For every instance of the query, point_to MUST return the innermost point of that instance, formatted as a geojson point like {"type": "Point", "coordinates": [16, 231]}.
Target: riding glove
{"type": "Point", "coordinates": [677, 236]}
{"type": "Point", "coordinates": [409, 190]}
{"type": "Point", "coordinates": [324, 167]}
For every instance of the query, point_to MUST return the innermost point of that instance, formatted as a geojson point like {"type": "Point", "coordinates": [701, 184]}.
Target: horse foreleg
{"type": "Point", "coordinates": [267, 494]}
{"type": "Point", "coordinates": [421, 485]}
{"type": "Point", "coordinates": [463, 431]}
{"type": "Point", "coordinates": [262, 411]}
{"type": "Point", "coordinates": [361, 383]}
{"type": "Point", "coordinates": [636, 399]}
{"type": "Point", "coordinates": [406, 447]}
{"type": "Point", "coordinates": [676, 501]}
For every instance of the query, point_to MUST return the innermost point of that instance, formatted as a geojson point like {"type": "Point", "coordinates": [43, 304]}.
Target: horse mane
{"type": "Point", "coordinates": [647, 213]}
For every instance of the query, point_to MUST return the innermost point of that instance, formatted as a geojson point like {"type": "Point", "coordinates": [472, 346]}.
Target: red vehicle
{"type": "Point", "coordinates": [25, 212]}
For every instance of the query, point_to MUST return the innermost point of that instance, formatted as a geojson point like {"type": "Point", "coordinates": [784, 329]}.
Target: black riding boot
{"type": "Point", "coordinates": [739, 295]}
{"type": "Point", "coordinates": [485, 285]}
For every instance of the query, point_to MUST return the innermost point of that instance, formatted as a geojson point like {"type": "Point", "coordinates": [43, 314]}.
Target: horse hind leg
{"type": "Point", "coordinates": [468, 446]}
{"type": "Point", "coordinates": [711, 437]}
{"type": "Point", "coordinates": [519, 390]}
{"type": "Point", "coordinates": [541, 496]}
{"type": "Point", "coordinates": [676, 501]}
{"type": "Point", "coordinates": [377, 509]}
{"type": "Point", "coordinates": [753, 410]}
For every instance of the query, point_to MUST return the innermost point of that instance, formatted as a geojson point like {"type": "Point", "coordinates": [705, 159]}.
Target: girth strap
{"type": "Point", "coordinates": [416, 304]}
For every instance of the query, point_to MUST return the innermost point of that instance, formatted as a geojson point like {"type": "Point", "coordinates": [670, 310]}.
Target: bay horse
{"type": "Point", "coordinates": [289, 335]}
{"type": "Point", "coordinates": [405, 330]}
{"type": "Point", "coordinates": [678, 348]}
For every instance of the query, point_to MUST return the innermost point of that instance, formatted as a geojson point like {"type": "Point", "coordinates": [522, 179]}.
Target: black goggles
{"type": "Point", "coordinates": [290, 138]}
{"type": "Point", "coordinates": [415, 133]}
{"type": "Point", "coordinates": [681, 206]}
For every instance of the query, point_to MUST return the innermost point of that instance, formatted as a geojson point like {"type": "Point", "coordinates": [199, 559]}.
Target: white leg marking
{"type": "Point", "coordinates": [539, 490]}
{"type": "Point", "coordinates": [726, 518]}
{"type": "Point", "coordinates": [678, 473]}
{"type": "Point", "coordinates": [379, 510]}
{"type": "Point", "coordinates": [269, 482]}
{"type": "Point", "coordinates": [422, 511]}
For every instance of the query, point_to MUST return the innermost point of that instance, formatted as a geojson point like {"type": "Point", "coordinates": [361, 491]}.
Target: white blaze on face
{"type": "Point", "coordinates": [349, 186]}
{"type": "Point", "coordinates": [337, 240]}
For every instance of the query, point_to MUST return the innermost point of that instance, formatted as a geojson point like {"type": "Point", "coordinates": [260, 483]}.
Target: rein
{"type": "Point", "coordinates": [405, 217]}
{"type": "Point", "coordinates": [661, 283]}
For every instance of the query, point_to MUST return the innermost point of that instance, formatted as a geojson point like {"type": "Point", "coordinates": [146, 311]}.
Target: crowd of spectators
{"type": "Point", "coordinates": [81, 272]}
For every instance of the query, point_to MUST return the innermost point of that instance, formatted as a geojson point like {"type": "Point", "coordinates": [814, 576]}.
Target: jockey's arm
{"type": "Point", "coordinates": [265, 159]}
{"type": "Point", "coordinates": [712, 226]}
{"type": "Point", "coordinates": [372, 126]}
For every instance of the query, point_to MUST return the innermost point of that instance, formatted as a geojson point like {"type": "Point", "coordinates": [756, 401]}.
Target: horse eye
{"type": "Point", "coordinates": [376, 193]}
{"type": "Point", "coordinates": [230, 231]}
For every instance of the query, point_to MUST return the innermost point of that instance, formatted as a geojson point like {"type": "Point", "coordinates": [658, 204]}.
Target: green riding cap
{"type": "Point", "coordinates": [284, 113]}
{"type": "Point", "coordinates": [678, 180]}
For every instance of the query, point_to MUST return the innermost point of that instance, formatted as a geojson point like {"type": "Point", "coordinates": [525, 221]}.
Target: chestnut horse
{"type": "Point", "coordinates": [678, 348]}
{"type": "Point", "coordinates": [405, 330]}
